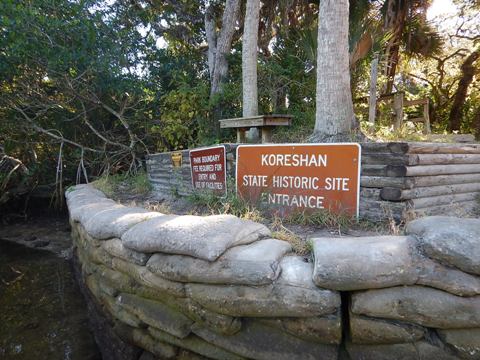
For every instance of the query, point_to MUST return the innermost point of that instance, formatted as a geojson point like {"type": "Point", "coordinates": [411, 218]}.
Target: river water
{"type": "Point", "coordinates": [42, 312]}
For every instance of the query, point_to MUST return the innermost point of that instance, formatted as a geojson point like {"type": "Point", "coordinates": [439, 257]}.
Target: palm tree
{"type": "Point", "coordinates": [249, 63]}
{"type": "Point", "coordinates": [334, 113]}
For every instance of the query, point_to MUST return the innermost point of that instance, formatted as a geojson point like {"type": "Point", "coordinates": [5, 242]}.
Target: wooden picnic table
{"type": "Point", "coordinates": [265, 123]}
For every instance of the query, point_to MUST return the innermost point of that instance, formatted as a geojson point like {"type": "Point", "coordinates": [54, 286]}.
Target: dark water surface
{"type": "Point", "coordinates": [42, 312]}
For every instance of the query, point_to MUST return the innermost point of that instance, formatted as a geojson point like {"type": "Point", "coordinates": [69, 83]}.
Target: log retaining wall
{"type": "Point", "coordinates": [399, 180]}
{"type": "Point", "coordinates": [218, 287]}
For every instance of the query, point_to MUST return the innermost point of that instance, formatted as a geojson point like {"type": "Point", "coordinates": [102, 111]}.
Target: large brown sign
{"type": "Point", "coordinates": [287, 178]}
{"type": "Point", "coordinates": [208, 168]}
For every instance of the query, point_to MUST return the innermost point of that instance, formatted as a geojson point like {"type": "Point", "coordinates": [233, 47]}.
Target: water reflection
{"type": "Point", "coordinates": [42, 312]}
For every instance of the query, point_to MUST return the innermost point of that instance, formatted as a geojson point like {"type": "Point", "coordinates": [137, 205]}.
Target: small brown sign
{"type": "Point", "coordinates": [208, 167]}
{"type": "Point", "coordinates": [286, 178]}
{"type": "Point", "coordinates": [177, 159]}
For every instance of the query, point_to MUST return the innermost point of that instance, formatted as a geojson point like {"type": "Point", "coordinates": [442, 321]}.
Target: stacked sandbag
{"type": "Point", "coordinates": [411, 297]}
{"type": "Point", "coordinates": [217, 286]}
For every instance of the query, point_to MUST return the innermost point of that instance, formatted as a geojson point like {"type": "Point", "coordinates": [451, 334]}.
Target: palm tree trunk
{"type": "Point", "coordinates": [334, 113]}
{"type": "Point", "coordinates": [249, 63]}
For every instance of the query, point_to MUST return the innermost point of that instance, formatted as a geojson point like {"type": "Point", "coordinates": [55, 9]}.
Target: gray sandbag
{"type": "Point", "coordinates": [195, 344]}
{"type": "Point", "coordinates": [80, 235]}
{"type": "Point", "coordinates": [156, 314]}
{"type": "Point", "coordinates": [252, 264]}
{"type": "Point", "coordinates": [420, 350]}
{"type": "Point", "coordinates": [292, 294]}
{"type": "Point", "coordinates": [101, 297]}
{"type": "Point", "coordinates": [448, 279]}
{"type": "Point", "coordinates": [466, 342]}
{"type": "Point", "coordinates": [365, 330]}
{"type": "Point", "coordinates": [113, 223]}
{"type": "Point", "coordinates": [91, 209]}
{"type": "Point", "coordinates": [144, 277]}
{"type": "Point", "coordinates": [115, 248]}
{"type": "Point", "coordinates": [325, 329]}
{"type": "Point", "coordinates": [257, 341]}
{"type": "Point", "coordinates": [455, 241]}
{"type": "Point", "coordinates": [221, 324]}
{"type": "Point", "coordinates": [142, 339]}
{"type": "Point", "coordinates": [419, 305]}
{"type": "Point", "coordinates": [354, 263]}
{"type": "Point", "coordinates": [203, 237]}
{"type": "Point", "coordinates": [82, 190]}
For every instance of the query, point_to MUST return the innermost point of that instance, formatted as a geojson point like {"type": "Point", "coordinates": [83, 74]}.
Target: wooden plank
{"type": "Point", "coordinates": [437, 148]}
{"type": "Point", "coordinates": [445, 159]}
{"type": "Point", "coordinates": [383, 181]}
{"type": "Point", "coordinates": [442, 200]}
{"type": "Point", "coordinates": [414, 102]}
{"type": "Point", "coordinates": [426, 114]}
{"type": "Point", "coordinates": [372, 102]}
{"type": "Point", "coordinates": [442, 180]}
{"type": "Point", "coordinates": [398, 100]}
{"type": "Point", "coordinates": [396, 194]}
{"type": "Point", "coordinates": [241, 122]}
{"type": "Point", "coordinates": [255, 121]}
{"type": "Point", "coordinates": [428, 170]}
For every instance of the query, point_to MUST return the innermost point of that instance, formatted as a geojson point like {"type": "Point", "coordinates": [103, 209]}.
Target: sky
{"type": "Point", "coordinates": [441, 8]}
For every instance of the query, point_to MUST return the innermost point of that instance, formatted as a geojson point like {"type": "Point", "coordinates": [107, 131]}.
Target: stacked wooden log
{"type": "Point", "coordinates": [420, 178]}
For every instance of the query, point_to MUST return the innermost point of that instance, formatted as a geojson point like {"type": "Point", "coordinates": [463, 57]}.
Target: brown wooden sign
{"type": "Point", "coordinates": [287, 178]}
{"type": "Point", "coordinates": [208, 168]}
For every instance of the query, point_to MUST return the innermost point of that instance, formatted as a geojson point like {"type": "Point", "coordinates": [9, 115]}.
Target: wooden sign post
{"type": "Point", "coordinates": [208, 167]}
{"type": "Point", "coordinates": [300, 177]}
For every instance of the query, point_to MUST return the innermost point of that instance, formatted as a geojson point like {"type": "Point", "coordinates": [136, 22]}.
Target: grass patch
{"type": "Point", "coordinates": [323, 218]}
{"type": "Point", "coordinates": [299, 245]}
{"type": "Point", "coordinates": [111, 184]}
{"type": "Point", "coordinates": [207, 201]}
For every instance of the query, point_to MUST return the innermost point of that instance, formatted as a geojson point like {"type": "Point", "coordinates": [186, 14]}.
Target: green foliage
{"type": "Point", "coordinates": [111, 185]}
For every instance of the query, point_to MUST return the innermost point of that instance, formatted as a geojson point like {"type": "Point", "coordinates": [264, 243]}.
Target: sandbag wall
{"type": "Point", "coordinates": [216, 286]}
{"type": "Point", "coordinates": [222, 288]}
{"type": "Point", "coordinates": [398, 180]}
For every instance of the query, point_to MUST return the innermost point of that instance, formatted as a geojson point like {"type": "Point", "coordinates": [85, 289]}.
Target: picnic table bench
{"type": "Point", "coordinates": [265, 123]}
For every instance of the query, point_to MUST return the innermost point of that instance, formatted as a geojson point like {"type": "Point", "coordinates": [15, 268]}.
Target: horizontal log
{"type": "Point", "coordinates": [385, 147]}
{"type": "Point", "coordinates": [396, 194]}
{"type": "Point", "coordinates": [369, 193]}
{"type": "Point", "coordinates": [436, 180]}
{"type": "Point", "coordinates": [442, 200]}
{"type": "Point", "coordinates": [439, 148]}
{"type": "Point", "coordinates": [384, 181]}
{"type": "Point", "coordinates": [370, 204]}
{"type": "Point", "coordinates": [457, 209]}
{"type": "Point", "coordinates": [428, 170]}
{"type": "Point", "coordinates": [381, 210]}
{"type": "Point", "coordinates": [387, 159]}
{"type": "Point", "coordinates": [445, 159]}
{"type": "Point", "coordinates": [374, 170]}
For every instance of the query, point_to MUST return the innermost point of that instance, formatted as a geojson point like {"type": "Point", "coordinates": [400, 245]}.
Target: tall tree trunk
{"type": "Point", "coordinates": [211, 34]}
{"type": "Point", "coordinates": [249, 63]}
{"type": "Point", "coordinates": [334, 113]}
{"type": "Point", "coordinates": [395, 16]}
{"type": "Point", "coordinates": [223, 45]}
{"type": "Point", "coordinates": [468, 71]}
